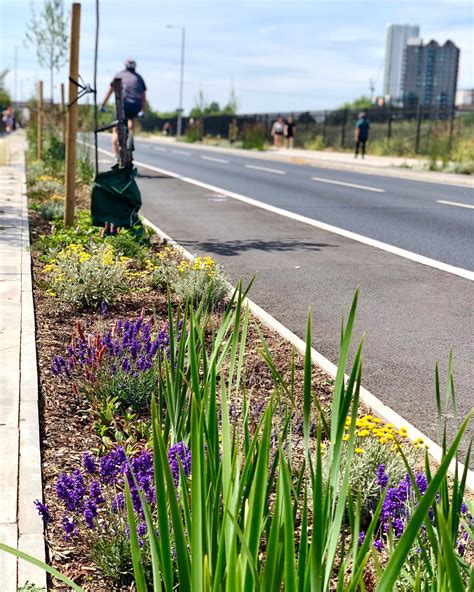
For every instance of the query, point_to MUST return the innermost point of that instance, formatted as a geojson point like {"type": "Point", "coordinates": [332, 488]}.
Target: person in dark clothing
{"type": "Point", "coordinates": [290, 132]}
{"type": "Point", "coordinates": [361, 133]}
{"type": "Point", "coordinates": [134, 98]}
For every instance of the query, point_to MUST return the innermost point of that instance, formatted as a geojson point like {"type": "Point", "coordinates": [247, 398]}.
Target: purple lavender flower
{"type": "Point", "coordinates": [361, 537]}
{"type": "Point", "coordinates": [69, 526]}
{"type": "Point", "coordinates": [88, 463]}
{"type": "Point", "coordinates": [382, 477]}
{"type": "Point", "coordinates": [112, 465]}
{"type": "Point", "coordinates": [104, 309]}
{"type": "Point", "coordinates": [90, 512]}
{"type": "Point", "coordinates": [118, 503]}
{"type": "Point", "coordinates": [71, 490]}
{"type": "Point", "coordinates": [179, 453]}
{"type": "Point", "coordinates": [378, 544]}
{"type": "Point", "coordinates": [95, 492]}
{"type": "Point", "coordinates": [43, 511]}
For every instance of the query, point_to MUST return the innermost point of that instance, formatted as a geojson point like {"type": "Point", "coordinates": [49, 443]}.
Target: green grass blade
{"type": "Point", "coordinates": [44, 566]}
{"type": "Point", "coordinates": [140, 581]}
{"type": "Point", "coordinates": [307, 386]}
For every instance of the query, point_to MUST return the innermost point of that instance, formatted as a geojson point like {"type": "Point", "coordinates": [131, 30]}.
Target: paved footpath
{"type": "Point", "coordinates": [20, 459]}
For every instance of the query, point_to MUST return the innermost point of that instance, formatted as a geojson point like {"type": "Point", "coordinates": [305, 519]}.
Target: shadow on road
{"type": "Point", "coordinates": [232, 248]}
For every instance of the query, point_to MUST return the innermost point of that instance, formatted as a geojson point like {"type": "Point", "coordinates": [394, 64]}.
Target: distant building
{"type": "Point", "coordinates": [397, 38]}
{"type": "Point", "coordinates": [430, 74]}
{"type": "Point", "coordinates": [465, 99]}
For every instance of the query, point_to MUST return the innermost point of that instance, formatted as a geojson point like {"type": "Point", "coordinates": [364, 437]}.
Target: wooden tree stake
{"type": "Point", "coordinates": [72, 118]}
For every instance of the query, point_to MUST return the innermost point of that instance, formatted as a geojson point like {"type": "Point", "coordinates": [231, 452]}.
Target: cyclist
{"type": "Point", "coordinates": [134, 99]}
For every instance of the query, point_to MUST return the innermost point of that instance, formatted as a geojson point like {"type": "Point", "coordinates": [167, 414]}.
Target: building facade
{"type": "Point", "coordinates": [397, 39]}
{"type": "Point", "coordinates": [430, 74]}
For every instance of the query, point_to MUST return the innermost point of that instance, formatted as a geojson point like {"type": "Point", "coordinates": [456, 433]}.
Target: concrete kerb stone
{"type": "Point", "coordinates": [381, 410]}
{"type": "Point", "coordinates": [30, 525]}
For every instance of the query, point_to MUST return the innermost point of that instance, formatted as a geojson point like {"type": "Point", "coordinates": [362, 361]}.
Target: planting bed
{"type": "Point", "coordinates": [66, 429]}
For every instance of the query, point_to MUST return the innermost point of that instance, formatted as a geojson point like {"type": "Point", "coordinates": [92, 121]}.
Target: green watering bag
{"type": "Point", "coordinates": [116, 199]}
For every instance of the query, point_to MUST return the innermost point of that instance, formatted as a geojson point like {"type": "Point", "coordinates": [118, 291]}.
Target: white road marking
{"type": "Point", "coordinates": [215, 159]}
{"type": "Point", "coordinates": [160, 149]}
{"type": "Point", "coordinates": [267, 170]}
{"type": "Point", "coordinates": [455, 203]}
{"type": "Point", "coordinates": [181, 152]}
{"type": "Point", "coordinates": [464, 273]}
{"type": "Point", "coordinates": [354, 185]}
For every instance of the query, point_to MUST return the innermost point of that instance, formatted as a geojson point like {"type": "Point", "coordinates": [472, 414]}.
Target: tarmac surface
{"type": "Point", "coordinates": [412, 315]}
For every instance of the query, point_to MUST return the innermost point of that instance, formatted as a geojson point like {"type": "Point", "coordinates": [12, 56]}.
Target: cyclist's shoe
{"type": "Point", "coordinates": [116, 163]}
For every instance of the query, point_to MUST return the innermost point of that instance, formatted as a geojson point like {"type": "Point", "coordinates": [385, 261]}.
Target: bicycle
{"type": "Point", "coordinates": [125, 138]}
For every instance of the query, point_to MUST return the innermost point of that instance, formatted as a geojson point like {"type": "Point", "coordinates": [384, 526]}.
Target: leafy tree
{"type": "Point", "coordinates": [47, 34]}
{"type": "Point", "coordinates": [363, 102]}
{"type": "Point", "coordinates": [202, 108]}
{"type": "Point", "coordinates": [5, 99]}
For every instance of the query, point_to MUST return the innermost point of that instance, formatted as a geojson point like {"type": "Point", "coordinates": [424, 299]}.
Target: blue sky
{"type": "Point", "coordinates": [277, 55]}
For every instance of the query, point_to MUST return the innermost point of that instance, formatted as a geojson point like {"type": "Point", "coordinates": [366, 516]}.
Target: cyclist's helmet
{"type": "Point", "coordinates": [130, 64]}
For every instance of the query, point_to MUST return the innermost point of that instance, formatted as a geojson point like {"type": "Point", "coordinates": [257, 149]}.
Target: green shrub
{"type": "Point", "coordinates": [85, 279]}
{"type": "Point", "coordinates": [316, 143]}
{"type": "Point", "coordinates": [50, 210]}
{"type": "Point", "coordinates": [253, 136]}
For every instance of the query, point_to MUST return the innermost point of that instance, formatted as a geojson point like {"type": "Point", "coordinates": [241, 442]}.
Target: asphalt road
{"type": "Point", "coordinates": [412, 314]}
{"type": "Point", "coordinates": [403, 213]}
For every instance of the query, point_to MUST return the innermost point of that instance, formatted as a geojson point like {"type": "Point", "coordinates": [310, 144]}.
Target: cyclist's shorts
{"type": "Point", "coordinates": [131, 110]}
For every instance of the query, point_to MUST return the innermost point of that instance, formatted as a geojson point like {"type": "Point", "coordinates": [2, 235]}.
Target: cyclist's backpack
{"type": "Point", "coordinates": [116, 199]}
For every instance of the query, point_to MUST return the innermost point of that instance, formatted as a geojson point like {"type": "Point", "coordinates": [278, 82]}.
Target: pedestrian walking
{"type": "Point", "coordinates": [278, 129]}
{"type": "Point", "coordinates": [290, 132]}
{"type": "Point", "coordinates": [9, 119]}
{"type": "Point", "coordinates": [167, 129]}
{"type": "Point", "coordinates": [134, 99]}
{"type": "Point", "coordinates": [361, 133]}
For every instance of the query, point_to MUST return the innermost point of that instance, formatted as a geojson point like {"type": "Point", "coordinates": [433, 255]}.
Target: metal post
{"type": "Point", "coordinates": [451, 130]}
{"type": "Point", "coordinates": [389, 128]}
{"type": "Point", "coordinates": [343, 129]}
{"type": "Point", "coordinates": [418, 127]}
{"type": "Point", "coordinates": [40, 120]}
{"type": "Point", "coordinates": [63, 113]}
{"type": "Point", "coordinates": [181, 82]}
{"type": "Point", "coordinates": [72, 117]}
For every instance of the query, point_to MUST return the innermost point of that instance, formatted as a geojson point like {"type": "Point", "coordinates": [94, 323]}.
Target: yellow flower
{"type": "Point", "coordinates": [51, 293]}
{"type": "Point", "coordinates": [359, 451]}
{"type": "Point", "coordinates": [382, 440]}
{"type": "Point", "coordinates": [345, 437]}
{"type": "Point", "coordinates": [377, 420]}
{"type": "Point", "coordinates": [363, 433]}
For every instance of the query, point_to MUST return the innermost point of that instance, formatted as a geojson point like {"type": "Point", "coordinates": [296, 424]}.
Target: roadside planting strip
{"type": "Point", "coordinates": [381, 410]}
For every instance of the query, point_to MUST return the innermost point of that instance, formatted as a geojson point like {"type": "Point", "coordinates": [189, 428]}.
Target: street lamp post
{"type": "Point", "coordinates": [180, 109]}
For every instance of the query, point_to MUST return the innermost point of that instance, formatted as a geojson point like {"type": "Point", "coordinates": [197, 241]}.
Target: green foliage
{"type": "Point", "coordinates": [50, 210]}
{"type": "Point", "coordinates": [114, 423]}
{"type": "Point", "coordinates": [253, 136]}
{"type": "Point", "coordinates": [111, 553]}
{"type": "Point", "coordinates": [30, 588]}
{"type": "Point", "coordinates": [363, 102]}
{"type": "Point", "coordinates": [47, 34]}
{"type": "Point", "coordinates": [316, 143]}
{"type": "Point", "coordinates": [5, 99]}
{"type": "Point", "coordinates": [204, 109]}
{"type": "Point", "coordinates": [201, 283]}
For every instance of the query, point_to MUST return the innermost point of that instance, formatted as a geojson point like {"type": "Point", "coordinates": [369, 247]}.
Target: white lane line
{"type": "Point", "coordinates": [266, 169]}
{"type": "Point", "coordinates": [181, 152]}
{"type": "Point", "coordinates": [354, 185]}
{"type": "Point", "coordinates": [211, 158]}
{"type": "Point", "coordinates": [454, 203]}
{"type": "Point", "coordinates": [160, 149]}
{"type": "Point", "coordinates": [464, 273]}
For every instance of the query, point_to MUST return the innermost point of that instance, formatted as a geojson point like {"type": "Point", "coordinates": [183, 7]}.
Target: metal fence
{"type": "Point", "coordinates": [392, 131]}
